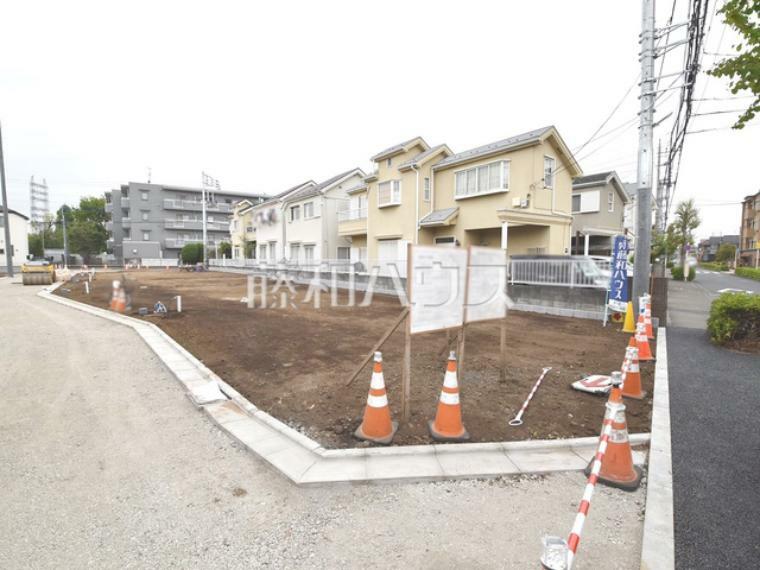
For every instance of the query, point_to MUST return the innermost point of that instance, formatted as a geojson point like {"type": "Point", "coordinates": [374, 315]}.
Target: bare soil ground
{"type": "Point", "coordinates": [294, 362]}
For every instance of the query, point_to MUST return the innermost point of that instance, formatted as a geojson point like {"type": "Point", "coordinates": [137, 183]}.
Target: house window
{"type": "Point", "coordinates": [144, 196]}
{"type": "Point", "coordinates": [295, 213]}
{"type": "Point", "coordinates": [484, 179]}
{"type": "Point", "coordinates": [611, 201]}
{"type": "Point", "coordinates": [294, 251]}
{"type": "Point", "coordinates": [344, 252]}
{"type": "Point", "coordinates": [144, 215]}
{"type": "Point", "coordinates": [576, 208]}
{"type": "Point", "coordinates": [548, 172]}
{"type": "Point", "coordinates": [389, 193]}
{"type": "Point", "coordinates": [308, 252]}
{"type": "Point", "coordinates": [388, 162]}
{"type": "Point", "coordinates": [273, 250]}
{"type": "Point", "coordinates": [263, 251]}
{"type": "Point", "coordinates": [308, 210]}
{"type": "Point", "coordinates": [426, 190]}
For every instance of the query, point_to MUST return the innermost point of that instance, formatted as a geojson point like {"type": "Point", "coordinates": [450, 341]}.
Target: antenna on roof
{"type": "Point", "coordinates": [150, 171]}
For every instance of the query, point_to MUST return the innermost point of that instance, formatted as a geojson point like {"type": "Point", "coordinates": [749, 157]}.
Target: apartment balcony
{"type": "Point", "coordinates": [179, 243]}
{"type": "Point", "coordinates": [196, 205]}
{"type": "Point", "coordinates": [109, 226]}
{"type": "Point", "coordinates": [109, 207]}
{"type": "Point", "coordinates": [196, 225]}
{"type": "Point", "coordinates": [352, 222]}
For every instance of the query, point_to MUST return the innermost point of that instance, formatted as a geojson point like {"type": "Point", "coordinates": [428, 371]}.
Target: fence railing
{"type": "Point", "coordinates": [565, 272]}
{"type": "Point", "coordinates": [359, 266]}
{"type": "Point", "coordinates": [148, 262]}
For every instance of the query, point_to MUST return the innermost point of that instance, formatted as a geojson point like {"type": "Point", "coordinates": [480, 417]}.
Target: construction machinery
{"type": "Point", "coordinates": [39, 272]}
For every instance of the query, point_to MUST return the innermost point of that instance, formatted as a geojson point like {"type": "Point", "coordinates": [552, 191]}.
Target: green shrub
{"type": "Point", "coordinates": [748, 272]}
{"type": "Point", "coordinates": [677, 273]}
{"type": "Point", "coordinates": [669, 265]}
{"type": "Point", "coordinates": [714, 266]}
{"type": "Point", "coordinates": [192, 253]}
{"type": "Point", "coordinates": [734, 316]}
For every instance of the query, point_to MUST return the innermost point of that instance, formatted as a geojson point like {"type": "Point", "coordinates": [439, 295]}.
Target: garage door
{"type": "Point", "coordinates": [391, 253]}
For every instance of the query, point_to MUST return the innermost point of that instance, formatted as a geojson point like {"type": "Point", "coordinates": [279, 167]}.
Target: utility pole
{"type": "Point", "coordinates": [660, 212]}
{"type": "Point", "coordinates": [65, 240]}
{"type": "Point", "coordinates": [641, 266]}
{"type": "Point", "coordinates": [8, 245]}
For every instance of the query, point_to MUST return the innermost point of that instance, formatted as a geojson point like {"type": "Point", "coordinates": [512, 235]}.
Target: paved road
{"type": "Point", "coordinates": [715, 419]}
{"type": "Point", "coordinates": [105, 463]}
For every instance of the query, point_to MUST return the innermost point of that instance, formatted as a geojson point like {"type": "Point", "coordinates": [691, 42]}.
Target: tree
{"type": "Point", "coordinates": [743, 69]}
{"type": "Point", "coordinates": [192, 253]}
{"type": "Point", "coordinates": [685, 222]}
{"type": "Point", "coordinates": [664, 245]}
{"type": "Point", "coordinates": [225, 249]}
{"type": "Point", "coordinates": [86, 226]}
{"type": "Point", "coordinates": [726, 253]}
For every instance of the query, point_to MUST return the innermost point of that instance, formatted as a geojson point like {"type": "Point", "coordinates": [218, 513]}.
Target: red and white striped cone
{"type": "Point", "coordinates": [377, 425]}
{"type": "Point", "coordinates": [447, 425]}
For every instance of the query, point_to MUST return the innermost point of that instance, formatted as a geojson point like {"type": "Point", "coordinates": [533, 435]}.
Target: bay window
{"type": "Point", "coordinates": [483, 179]}
{"type": "Point", "coordinates": [389, 193]}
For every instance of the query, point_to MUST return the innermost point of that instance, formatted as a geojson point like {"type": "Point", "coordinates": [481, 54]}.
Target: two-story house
{"type": "Point", "coordinates": [311, 219]}
{"type": "Point", "coordinates": [514, 193]}
{"type": "Point", "coordinates": [242, 231]}
{"type": "Point", "coordinates": [598, 206]}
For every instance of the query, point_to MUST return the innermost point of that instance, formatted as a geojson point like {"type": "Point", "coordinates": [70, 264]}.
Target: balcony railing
{"type": "Point", "coordinates": [355, 214]}
{"type": "Point", "coordinates": [197, 205]}
{"type": "Point", "coordinates": [178, 243]}
{"type": "Point", "coordinates": [195, 225]}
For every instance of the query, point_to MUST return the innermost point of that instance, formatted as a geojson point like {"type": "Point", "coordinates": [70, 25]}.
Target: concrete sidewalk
{"type": "Point", "coordinates": [104, 462]}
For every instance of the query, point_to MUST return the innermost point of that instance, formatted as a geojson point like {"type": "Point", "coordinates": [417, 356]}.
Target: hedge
{"type": "Point", "coordinates": [677, 273]}
{"type": "Point", "coordinates": [748, 272]}
{"type": "Point", "coordinates": [734, 316]}
{"type": "Point", "coordinates": [192, 253]}
{"type": "Point", "coordinates": [714, 266]}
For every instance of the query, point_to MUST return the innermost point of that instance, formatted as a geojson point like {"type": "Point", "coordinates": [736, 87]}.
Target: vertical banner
{"type": "Point", "coordinates": [618, 289]}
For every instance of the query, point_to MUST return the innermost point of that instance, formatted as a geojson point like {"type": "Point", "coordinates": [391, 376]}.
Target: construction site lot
{"type": "Point", "coordinates": [294, 362]}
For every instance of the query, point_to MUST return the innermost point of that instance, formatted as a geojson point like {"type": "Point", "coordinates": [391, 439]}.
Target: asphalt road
{"type": "Point", "coordinates": [105, 463]}
{"type": "Point", "coordinates": [715, 422]}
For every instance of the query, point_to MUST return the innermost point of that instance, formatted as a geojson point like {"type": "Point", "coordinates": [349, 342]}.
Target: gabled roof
{"type": "Point", "coordinates": [400, 147]}
{"type": "Point", "coordinates": [10, 211]}
{"type": "Point", "coordinates": [323, 187]}
{"type": "Point", "coordinates": [282, 195]}
{"type": "Point", "coordinates": [602, 179]}
{"type": "Point", "coordinates": [358, 188]}
{"type": "Point", "coordinates": [424, 156]}
{"type": "Point", "coordinates": [512, 143]}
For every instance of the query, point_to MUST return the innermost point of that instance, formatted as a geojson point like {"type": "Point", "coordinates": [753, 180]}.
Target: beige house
{"type": "Point", "coordinates": [514, 193]}
{"type": "Point", "coordinates": [242, 231]}
{"type": "Point", "coordinates": [598, 206]}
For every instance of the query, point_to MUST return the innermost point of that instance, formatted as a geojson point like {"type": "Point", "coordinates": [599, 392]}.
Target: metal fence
{"type": "Point", "coordinates": [156, 262]}
{"type": "Point", "coordinates": [561, 272]}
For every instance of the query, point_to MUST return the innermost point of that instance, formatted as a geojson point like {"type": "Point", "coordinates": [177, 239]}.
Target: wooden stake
{"type": "Point", "coordinates": [460, 356]}
{"type": "Point", "coordinates": [406, 372]}
{"type": "Point", "coordinates": [378, 345]}
{"type": "Point", "coordinates": [503, 349]}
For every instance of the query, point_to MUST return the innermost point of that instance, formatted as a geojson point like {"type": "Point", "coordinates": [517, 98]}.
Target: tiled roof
{"type": "Point", "coordinates": [317, 188]}
{"type": "Point", "coordinates": [357, 188]}
{"type": "Point", "coordinates": [490, 148]}
{"type": "Point", "coordinates": [598, 178]}
{"type": "Point", "coordinates": [438, 216]}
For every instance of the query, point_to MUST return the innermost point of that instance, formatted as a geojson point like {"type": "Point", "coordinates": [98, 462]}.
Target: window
{"type": "Point", "coordinates": [611, 201]}
{"type": "Point", "coordinates": [446, 240]}
{"type": "Point", "coordinates": [263, 251]}
{"type": "Point", "coordinates": [388, 162]}
{"type": "Point", "coordinates": [389, 193]}
{"type": "Point", "coordinates": [127, 233]}
{"type": "Point", "coordinates": [125, 192]}
{"type": "Point", "coordinates": [576, 208]}
{"type": "Point", "coordinates": [308, 252]}
{"type": "Point", "coordinates": [294, 251]}
{"type": "Point", "coordinates": [295, 213]}
{"type": "Point", "coordinates": [426, 190]}
{"type": "Point", "coordinates": [548, 172]}
{"type": "Point", "coordinates": [344, 252]}
{"type": "Point", "coordinates": [146, 236]}
{"type": "Point", "coordinates": [210, 218]}
{"type": "Point", "coordinates": [586, 202]}
{"type": "Point", "coordinates": [125, 213]}
{"type": "Point", "coordinates": [273, 250]}
{"type": "Point", "coordinates": [144, 196]}
{"type": "Point", "coordinates": [308, 210]}
{"type": "Point", "coordinates": [144, 215]}
{"type": "Point", "coordinates": [483, 179]}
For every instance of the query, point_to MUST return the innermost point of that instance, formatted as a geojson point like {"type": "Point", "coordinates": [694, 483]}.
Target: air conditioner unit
{"type": "Point", "coordinates": [524, 203]}
{"type": "Point", "coordinates": [515, 202]}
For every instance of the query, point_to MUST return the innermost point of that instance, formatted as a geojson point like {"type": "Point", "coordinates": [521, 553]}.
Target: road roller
{"type": "Point", "coordinates": [38, 272]}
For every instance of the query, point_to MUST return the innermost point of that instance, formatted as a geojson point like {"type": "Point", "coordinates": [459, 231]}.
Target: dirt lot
{"type": "Point", "coordinates": [294, 362]}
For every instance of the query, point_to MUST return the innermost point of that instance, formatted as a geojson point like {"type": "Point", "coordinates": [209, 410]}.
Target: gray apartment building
{"type": "Point", "coordinates": [155, 220]}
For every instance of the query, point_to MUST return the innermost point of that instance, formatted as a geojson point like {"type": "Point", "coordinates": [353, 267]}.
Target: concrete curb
{"type": "Point", "coordinates": [305, 462]}
{"type": "Point", "coordinates": [658, 545]}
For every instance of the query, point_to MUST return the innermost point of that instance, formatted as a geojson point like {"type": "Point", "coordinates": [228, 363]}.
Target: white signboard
{"type": "Point", "coordinates": [487, 284]}
{"type": "Point", "coordinates": [436, 288]}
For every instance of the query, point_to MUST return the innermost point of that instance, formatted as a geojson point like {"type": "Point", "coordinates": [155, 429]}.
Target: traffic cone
{"type": "Point", "coordinates": [632, 384]}
{"type": "Point", "coordinates": [118, 298]}
{"type": "Point", "coordinates": [617, 468]}
{"type": "Point", "coordinates": [648, 317]}
{"type": "Point", "coordinates": [632, 341]}
{"type": "Point", "coordinates": [642, 343]}
{"type": "Point", "coordinates": [629, 325]}
{"type": "Point", "coordinates": [377, 425]}
{"type": "Point", "coordinates": [616, 384]}
{"type": "Point", "coordinates": [447, 425]}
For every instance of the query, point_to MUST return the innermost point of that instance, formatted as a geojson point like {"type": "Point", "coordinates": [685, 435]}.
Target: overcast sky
{"type": "Point", "coordinates": [266, 95]}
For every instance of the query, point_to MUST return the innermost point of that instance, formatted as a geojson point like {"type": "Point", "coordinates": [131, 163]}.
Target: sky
{"type": "Point", "coordinates": [265, 95]}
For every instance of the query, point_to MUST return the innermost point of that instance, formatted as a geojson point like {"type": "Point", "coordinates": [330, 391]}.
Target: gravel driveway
{"type": "Point", "coordinates": [105, 463]}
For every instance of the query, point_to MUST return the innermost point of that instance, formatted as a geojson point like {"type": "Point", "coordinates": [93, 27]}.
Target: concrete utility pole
{"type": "Point", "coordinates": [203, 221]}
{"type": "Point", "coordinates": [659, 212]}
{"type": "Point", "coordinates": [8, 245]}
{"type": "Point", "coordinates": [65, 240]}
{"type": "Point", "coordinates": [641, 266]}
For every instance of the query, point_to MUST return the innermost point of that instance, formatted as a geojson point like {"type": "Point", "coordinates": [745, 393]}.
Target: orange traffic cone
{"type": "Point", "coordinates": [118, 298]}
{"type": "Point", "coordinates": [447, 425]}
{"type": "Point", "coordinates": [642, 343]}
{"type": "Point", "coordinates": [616, 384]}
{"type": "Point", "coordinates": [632, 341]}
{"type": "Point", "coordinates": [632, 384]}
{"type": "Point", "coordinates": [648, 319]}
{"type": "Point", "coordinates": [618, 469]}
{"type": "Point", "coordinates": [377, 425]}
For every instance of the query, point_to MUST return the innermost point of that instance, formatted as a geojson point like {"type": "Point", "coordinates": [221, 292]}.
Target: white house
{"type": "Point", "coordinates": [311, 219]}
{"type": "Point", "coordinates": [267, 221]}
{"type": "Point", "coordinates": [19, 230]}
